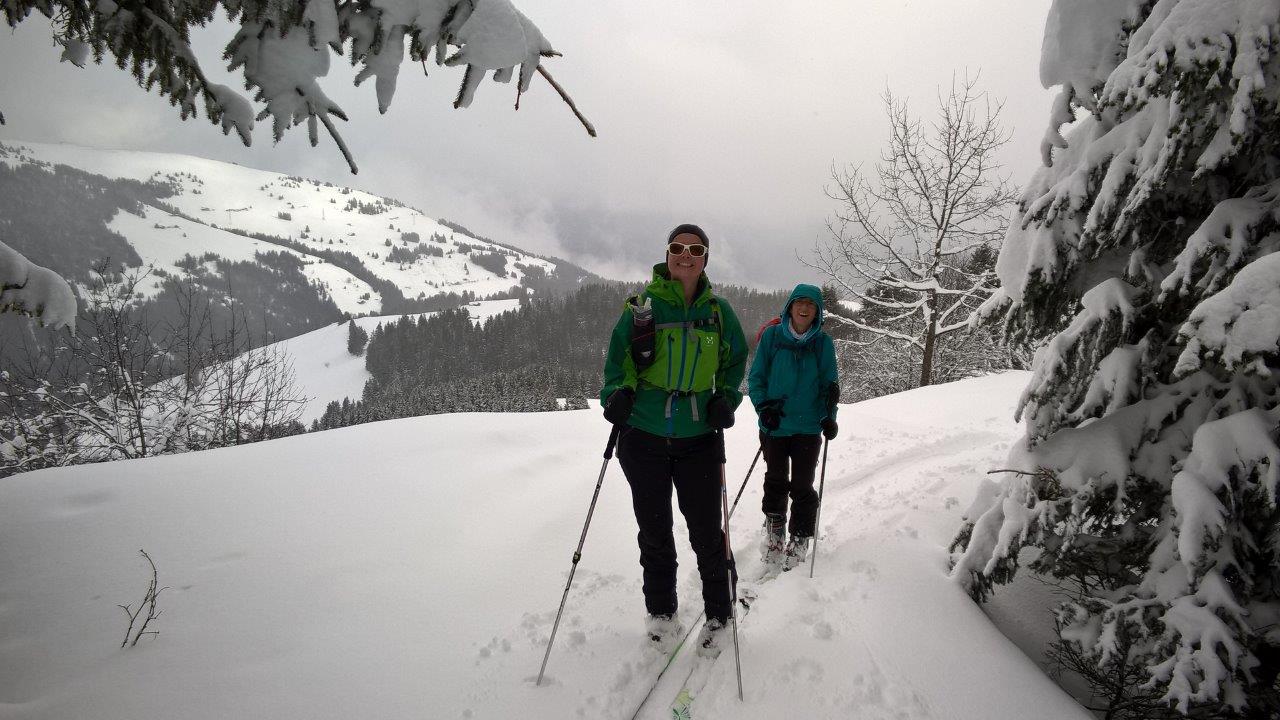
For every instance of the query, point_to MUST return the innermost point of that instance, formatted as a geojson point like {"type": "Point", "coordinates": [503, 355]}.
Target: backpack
{"type": "Point", "coordinates": [777, 320]}
{"type": "Point", "coordinates": [644, 332]}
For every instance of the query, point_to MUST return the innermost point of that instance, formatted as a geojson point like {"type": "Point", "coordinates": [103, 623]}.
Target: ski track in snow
{"type": "Point", "coordinates": [811, 648]}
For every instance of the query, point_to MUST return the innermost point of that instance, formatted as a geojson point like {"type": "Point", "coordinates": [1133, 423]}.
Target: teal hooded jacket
{"type": "Point", "coordinates": [798, 371]}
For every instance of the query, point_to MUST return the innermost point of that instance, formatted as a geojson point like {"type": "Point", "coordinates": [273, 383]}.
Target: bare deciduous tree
{"type": "Point", "coordinates": [122, 387]}
{"type": "Point", "coordinates": [903, 246]}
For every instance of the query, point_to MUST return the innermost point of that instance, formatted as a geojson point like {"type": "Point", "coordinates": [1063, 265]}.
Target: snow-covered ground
{"type": "Point", "coordinates": [412, 568]}
{"type": "Point", "coordinates": [222, 196]}
{"type": "Point", "coordinates": [325, 371]}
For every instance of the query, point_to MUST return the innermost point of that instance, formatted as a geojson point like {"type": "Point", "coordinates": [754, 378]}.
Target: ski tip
{"type": "Point", "coordinates": [680, 708]}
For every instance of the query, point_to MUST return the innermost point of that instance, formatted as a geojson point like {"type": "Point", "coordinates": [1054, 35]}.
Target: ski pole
{"type": "Point", "coordinates": [577, 554]}
{"type": "Point", "coordinates": [821, 482]}
{"type": "Point", "coordinates": [745, 479]}
{"type": "Point", "coordinates": [728, 559]}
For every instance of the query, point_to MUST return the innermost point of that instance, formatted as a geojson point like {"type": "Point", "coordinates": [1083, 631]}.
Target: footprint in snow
{"type": "Point", "coordinates": [495, 645]}
{"type": "Point", "coordinates": [865, 568]}
{"type": "Point", "coordinates": [803, 669]}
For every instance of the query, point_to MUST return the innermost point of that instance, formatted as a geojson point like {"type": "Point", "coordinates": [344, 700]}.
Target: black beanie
{"type": "Point", "coordinates": [691, 229]}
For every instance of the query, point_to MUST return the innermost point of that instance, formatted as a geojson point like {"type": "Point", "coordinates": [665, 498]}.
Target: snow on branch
{"type": "Point", "coordinates": [1225, 241]}
{"type": "Point", "coordinates": [1212, 545]}
{"type": "Point", "coordinates": [283, 49]}
{"type": "Point", "coordinates": [33, 290]}
{"type": "Point", "coordinates": [1106, 312]}
{"type": "Point", "coordinates": [1239, 326]}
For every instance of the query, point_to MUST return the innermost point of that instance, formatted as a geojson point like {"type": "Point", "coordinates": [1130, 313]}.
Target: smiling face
{"type": "Point", "coordinates": [684, 267]}
{"type": "Point", "coordinates": [803, 313]}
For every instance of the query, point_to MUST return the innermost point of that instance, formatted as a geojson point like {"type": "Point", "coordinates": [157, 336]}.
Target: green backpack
{"type": "Point", "coordinates": [674, 356]}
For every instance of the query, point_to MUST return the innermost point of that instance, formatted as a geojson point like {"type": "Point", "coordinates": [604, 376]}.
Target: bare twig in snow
{"type": "Point", "coordinates": [148, 603]}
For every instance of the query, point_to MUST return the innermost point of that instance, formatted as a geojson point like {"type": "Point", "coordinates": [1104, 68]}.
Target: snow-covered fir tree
{"type": "Point", "coordinates": [1145, 251]}
{"type": "Point", "coordinates": [357, 338]}
{"type": "Point", "coordinates": [283, 49]}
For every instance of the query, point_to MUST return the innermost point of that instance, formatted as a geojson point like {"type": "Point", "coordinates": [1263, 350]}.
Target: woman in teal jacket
{"type": "Point", "coordinates": [794, 386]}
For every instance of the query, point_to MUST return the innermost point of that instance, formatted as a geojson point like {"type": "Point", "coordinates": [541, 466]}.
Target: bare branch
{"type": "Point", "coordinates": [591, 130]}
{"type": "Point", "coordinates": [906, 247]}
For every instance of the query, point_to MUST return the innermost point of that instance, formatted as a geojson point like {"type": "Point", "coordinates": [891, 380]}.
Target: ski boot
{"type": "Point", "coordinates": [796, 553]}
{"type": "Point", "coordinates": [773, 547]}
{"type": "Point", "coordinates": [663, 630]}
{"type": "Point", "coordinates": [712, 637]}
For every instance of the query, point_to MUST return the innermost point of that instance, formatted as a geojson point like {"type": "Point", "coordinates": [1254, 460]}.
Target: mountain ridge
{"type": "Point", "coordinates": [369, 254]}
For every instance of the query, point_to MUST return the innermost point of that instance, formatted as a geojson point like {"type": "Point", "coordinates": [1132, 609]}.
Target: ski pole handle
{"type": "Point", "coordinates": [613, 441]}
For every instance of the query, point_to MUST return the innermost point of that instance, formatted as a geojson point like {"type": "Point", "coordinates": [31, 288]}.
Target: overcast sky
{"type": "Point", "coordinates": [727, 114]}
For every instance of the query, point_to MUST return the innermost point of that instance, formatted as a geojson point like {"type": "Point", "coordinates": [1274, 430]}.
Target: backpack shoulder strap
{"type": "Point", "coordinates": [768, 324]}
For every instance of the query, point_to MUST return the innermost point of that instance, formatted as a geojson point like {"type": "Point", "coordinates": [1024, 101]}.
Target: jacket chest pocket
{"type": "Point", "coordinates": [703, 346]}
{"type": "Point", "coordinates": [686, 359]}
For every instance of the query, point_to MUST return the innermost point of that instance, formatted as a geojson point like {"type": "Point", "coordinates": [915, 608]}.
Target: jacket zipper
{"type": "Point", "coordinates": [684, 351]}
{"type": "Point", "coordinates": [670, 340]}
{"type": "Point", "coordinates": [693, 371]}
{"type": "Point", "coordinates": [671, 420]}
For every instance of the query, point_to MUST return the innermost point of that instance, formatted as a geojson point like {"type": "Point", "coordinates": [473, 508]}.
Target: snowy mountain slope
{"type": "Point", "coordinates": [162, 239]}
{"type": "Point", "coordinates": [325, 371]}
{"type": "Point", "coordinates": [412, 569]}
{"type": "Point", "coordinates": [216, 197]}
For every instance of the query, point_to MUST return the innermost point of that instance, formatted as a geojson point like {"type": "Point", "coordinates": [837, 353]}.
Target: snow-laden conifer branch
{"type": "Point", "coordinates": [32, 290]}
{"type": "Point", "coordinates": [283, 48]}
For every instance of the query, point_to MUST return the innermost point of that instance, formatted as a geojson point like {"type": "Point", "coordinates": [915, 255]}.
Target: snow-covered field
{"type": "Point", "coordinates": [412, 569]}
{"type": "Point", "coordinates": [325, 371]}
{"type": "Point", "coordinates": [320, 216]}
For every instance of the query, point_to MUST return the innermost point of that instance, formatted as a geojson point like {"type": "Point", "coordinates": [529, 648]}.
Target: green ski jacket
{"type": "Point", "coordinates": [700, 349]}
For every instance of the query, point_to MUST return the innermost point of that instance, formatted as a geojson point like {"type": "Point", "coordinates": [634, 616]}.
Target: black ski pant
{"type": "Point", "coordinates": [800, 453]}
{"type": "Point", "coordinates": [653, 466]}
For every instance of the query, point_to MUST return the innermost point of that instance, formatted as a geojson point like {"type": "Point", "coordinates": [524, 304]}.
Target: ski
{"type": "Point", "coordinates": [680, 659]}
{"type": "Point", "coordinates": [700, 672]}
{"type": "Point", "coordinates": [671, 660]}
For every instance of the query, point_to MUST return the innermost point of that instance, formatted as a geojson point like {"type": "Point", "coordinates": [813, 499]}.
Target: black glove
{"type": "Point", "coordinates": [618, 407]}
{"type": "Point", "coordinates": [719, 412]}
{"type": "Point", "coordinates": [829, 428]}
{"type": "Point", "coordinates": [770, 414]}
{"type": "Point", "coordinates": [833, 397]}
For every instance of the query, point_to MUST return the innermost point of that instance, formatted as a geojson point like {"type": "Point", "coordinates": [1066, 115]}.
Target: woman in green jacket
{"type": "Point", "coordinates": [676, 359]}
{"type": "Point", "coordinates": [794, 386]}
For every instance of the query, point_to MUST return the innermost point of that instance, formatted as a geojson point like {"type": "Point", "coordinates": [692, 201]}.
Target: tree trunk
{"type": "Point", "coordinates": [930, 341]}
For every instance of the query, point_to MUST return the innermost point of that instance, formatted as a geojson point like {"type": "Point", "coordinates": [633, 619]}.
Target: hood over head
{"type": "Point", "coordinates": [808, 292]}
